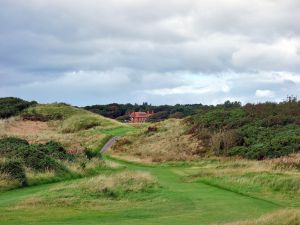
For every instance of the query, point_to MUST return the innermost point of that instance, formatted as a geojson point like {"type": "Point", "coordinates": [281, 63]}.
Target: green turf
{"type": "Point", "coordinates": [176, 202]}
{"type": "Point", "coordinates": [119, 131]}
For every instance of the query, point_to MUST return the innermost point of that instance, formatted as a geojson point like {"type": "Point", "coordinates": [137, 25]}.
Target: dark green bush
{"type": "Point", "coordinates": [15, 169]}
{"type": "Point", "coordinates": [90, 153]}
{"type": "Point", "coordinates": [34, 158]}
{"type": "Point", "coordinates": [254, 131]}
{"type": "Point", "coordinates": [13, 106]}
{"type": "Point", "coordinates": [37, 157]}
{"type": "Point", "coordinates": [9, 146]}
{"type": "Point", "coordinates": [55, 150]}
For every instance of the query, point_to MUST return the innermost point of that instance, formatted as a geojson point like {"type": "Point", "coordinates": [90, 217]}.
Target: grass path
{"type": "Point", "coordinates": [177, 202]}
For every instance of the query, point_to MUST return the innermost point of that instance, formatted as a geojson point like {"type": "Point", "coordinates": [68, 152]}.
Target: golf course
{"type": "Point", "coordinates": [174, 201]}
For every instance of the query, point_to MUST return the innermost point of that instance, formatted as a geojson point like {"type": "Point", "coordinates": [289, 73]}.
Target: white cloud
{"type": "Point", "coordinates": [264, 93]}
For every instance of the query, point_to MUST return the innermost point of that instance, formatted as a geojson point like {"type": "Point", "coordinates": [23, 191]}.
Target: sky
{"type": "Point", "coordinates": [160, 52]}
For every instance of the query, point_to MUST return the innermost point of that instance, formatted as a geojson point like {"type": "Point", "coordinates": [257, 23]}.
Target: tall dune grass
{"type": "Point", "coordinates": [280, 217]}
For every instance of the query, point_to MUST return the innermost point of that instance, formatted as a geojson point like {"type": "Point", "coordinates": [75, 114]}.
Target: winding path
{"type": "Point", "coordinates": [109, 144]}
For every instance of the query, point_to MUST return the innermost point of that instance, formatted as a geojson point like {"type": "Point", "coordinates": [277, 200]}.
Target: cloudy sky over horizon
{"type": "Point", "coordinates": [164, 52]}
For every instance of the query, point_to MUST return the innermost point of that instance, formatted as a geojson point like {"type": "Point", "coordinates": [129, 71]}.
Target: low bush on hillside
{"type": "Point", "coordinates": [254, 131]}
{"type": "Point", "coordinates": [37, 157]}
{"type": "Point", "coordinates": [34, 158]}
{"type": "Point", "coordinates": [15, 171]}
{"type": "Point", "coordinates": [13, 106]}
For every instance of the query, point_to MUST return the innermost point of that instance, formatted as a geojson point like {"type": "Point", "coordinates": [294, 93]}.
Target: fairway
{"type": "Point", "coordinates": [176, 202]}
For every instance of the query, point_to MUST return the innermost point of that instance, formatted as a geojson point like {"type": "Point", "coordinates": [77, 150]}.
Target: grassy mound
{"type": "Point", "coordinates": [72, 119]}
{"type": "Point", "coordinates": [163, 141]}
{"type": "Point", "coordinates": [116, 186]}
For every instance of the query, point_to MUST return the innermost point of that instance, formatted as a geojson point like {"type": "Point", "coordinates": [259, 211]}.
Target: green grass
{"type": "Point", "coordinates": [119, 131]}
{"type": "Point", "coordinates": [177, 201]}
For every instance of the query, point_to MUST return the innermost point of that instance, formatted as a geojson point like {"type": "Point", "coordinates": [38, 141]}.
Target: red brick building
{"type": "Point", "coordinates": [139, 117]}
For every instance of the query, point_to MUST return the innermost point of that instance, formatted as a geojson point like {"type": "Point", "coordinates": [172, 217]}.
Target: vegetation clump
{"type": "Point", "coordinates": [254, 131]}
{"type": "Point", "coordinates": [18, 155]}
{"type": "Point", "coordinates": [15, 170]}
{"type": "Point", "coordinates": [13, 106]}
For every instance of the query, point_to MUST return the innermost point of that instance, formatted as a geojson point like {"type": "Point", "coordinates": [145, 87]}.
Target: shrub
{"type": "Point", "coordinates": [9, 146]}
{"type": "Point", "coordinates": [13, 106]}
{"type": "Point", "coordinates": [37, 160]}
{"type": "Point", "coordinates": [14, 168]}
{"type": "Point", "coordinates": [265, 130]}
{"type": "Point", "coordinates": [56, 150]}
{"type": "Point", "coordinates": [90, 153]}
{"type": "Point", "coordinates": [221, 142]}
{"type": "Point", "coordinates": [159, 116]}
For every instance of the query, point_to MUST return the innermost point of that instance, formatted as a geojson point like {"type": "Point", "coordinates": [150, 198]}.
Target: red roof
{"type": "Point", "coordinates": [140, 114]}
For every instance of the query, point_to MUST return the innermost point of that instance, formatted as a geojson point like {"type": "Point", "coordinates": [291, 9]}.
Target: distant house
{"type": "Point", "coordinates": [139, 117]}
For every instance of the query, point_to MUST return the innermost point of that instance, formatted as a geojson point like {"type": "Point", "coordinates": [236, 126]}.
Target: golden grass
{"type": "Point", "coordinates": [41, 132]}
{"type": "Point", "coordinates": [168, 143]}
{"type": "Point", "coordinates": [280, 217]}
{"type": "Point", "coordinates": [7, 183]}
{"type": "Point", "coordinates": [124, 181]}
{"type": "Point", "coordinates": [256, 178]}
{"type": "Point", "coordinates": [94, 190]}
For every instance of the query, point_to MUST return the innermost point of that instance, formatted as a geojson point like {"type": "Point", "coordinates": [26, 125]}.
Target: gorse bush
{"type": "Point", "coordinates": [13, 106]}
{"type": "Point", "coordinates": [254, 131]}
{"type": "Point", "coordinates": [15, 170]}
{"type": "Point", "coordinates": [34, 158]}
{"type": "Point", "coordinates": [9, 146]}
{"type": "Point", "coordinates": [37, 157]}
{"type": "Point", "coordinates": [55, 150]}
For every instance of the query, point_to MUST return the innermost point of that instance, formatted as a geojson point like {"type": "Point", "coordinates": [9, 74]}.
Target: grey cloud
{"type": "Point", "coordinates": [146, 46]}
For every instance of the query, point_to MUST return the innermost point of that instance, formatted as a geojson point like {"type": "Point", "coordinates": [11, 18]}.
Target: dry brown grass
{"type": "Point", "coordinates": [290, 162]}
{"type": "Point", "coordinates": [89, 191]}
{"type": "Point", "coordinates": [280, 217]}
{"type": "Point", "coordinates": [7, 183]}
{"type": "Point", "coordinates": [169, 143]}
{"type": "Point", "coordinates": [42, 132]}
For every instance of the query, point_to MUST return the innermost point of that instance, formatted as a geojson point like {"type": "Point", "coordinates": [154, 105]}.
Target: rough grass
{"type": "Point", "coordinates": [73, 119]}
{"type": "Point", "coordinates": [6, 183]}
{"type": "Point", "coordinates": [259, 179]}
{"type": "Point", "coordinates": [163, 141]}
{"type": "Point", "coordinates": [115, 186]}
{"type": "Point", "coordinates": [78, 168]}
{"type": "Point", "coordinates": [280, 217]}
{"type": "Point", "coordinates": [75, 128]}
{"type": "Point", "coordinates": [122, 198]}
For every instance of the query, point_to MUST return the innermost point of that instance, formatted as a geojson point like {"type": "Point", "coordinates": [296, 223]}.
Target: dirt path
{"type": "Point", "coordinates": [109, 144]}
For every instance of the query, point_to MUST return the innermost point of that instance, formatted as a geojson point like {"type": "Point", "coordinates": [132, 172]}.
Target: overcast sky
{"type": "Point", "coordinates": [163, 52]}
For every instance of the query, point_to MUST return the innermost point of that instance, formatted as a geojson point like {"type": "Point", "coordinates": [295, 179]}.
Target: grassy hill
{"type": "Point", "coordinates": [254, 131]}
{"type": "Point", "coordinates": [31, 141]}
{"type": "Point", "coordinates": [178, 171]}
{"type": "Point", "coordinates": [75, 128]}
